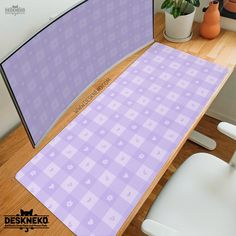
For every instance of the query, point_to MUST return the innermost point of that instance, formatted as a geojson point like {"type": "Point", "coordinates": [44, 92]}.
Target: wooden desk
{"type": "Point", "coordinates": [16, 151]}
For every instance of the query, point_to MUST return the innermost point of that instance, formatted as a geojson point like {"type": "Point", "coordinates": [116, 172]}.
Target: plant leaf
{"type": "Point", "coordinates": [196, 3]}
{"type": "Point", "coordinates": [164, 4]}
{"type": "Point", "coordinates": [171, 3]}
{"type": "Point", "coordinates": [176, 12]}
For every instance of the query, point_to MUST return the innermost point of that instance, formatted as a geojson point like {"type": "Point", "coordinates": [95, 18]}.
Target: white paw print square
{"type": "Point", "coordinates": [211, 80]}
{"type": "Point", "coordinates": [106, 178]}
{"type": "Point", "coordinates": [100, 119]}
{"type": "Point", "coordinates": [144, 172]}
{"type": "Point", "coordinates": [202, 92]}
{"type": "Point", "coordinates": [192, 105]}
{"type": "Point", "coordinates": [158, 59]}
{"type": "Point", "coordinates": [87, 164]}
{"type": "Point", "coordinates": [182, 120]}
{"type": "Point", "coordinates": [129, 194]}
{"type": "Point", "coordinates": [34, 188]}
{"type": "Point", "coordinates": [51, 204]}
{"type": "Point", "coordinates": [154, 88]}
{"type": "Point", "coordinates": [182, 83]}
{"type": "Point", "coordinates": [112, 218]}
{"type": "Point", "coordinates": [69, 151]}
{"type": "Point", "coordinates": [126, 92]}
{"type": "Point", "coordinates": [85, 134]}
{"type": "Point", "coordinates": [165, 76]}
{"type": "Point", "coordinates": [143, 101]}
{"type": "Point", "coordinates": [89, 200]}
{"type": "Point", "coordinates": [71, 222]}
{"type": "Point", "coordinates": [173, 96]}
{"type": "Point", "coordinates": [131, 114]}
{"type": "Point", "coordinates": [148, 69]}
{"type": "Point", "coordinates": [37, 158]}
{"type": "Point", "coordinates": [150, 124]}
{"type": "Point", "coordinates": [114, 105]}
{"type": "Point", "coordinates": [103, 146]}
{"type": "Point", "coordinates": [51, 170]}
{"type": "Point", "coordinates": [158, 153]}
{"type": "Point", "coordinates": [161, 109]}
{"type": "Point", "coordinates": [171, 135]}
{"type": "Point", "coordinates": [69, 184]}
{"type": "Point", "coordinates": [137, 140]}
{"type": "Point", "coordinates": [137, 80]}
{"type": "Point", "coordinates": [122, 158]}
{"type": "Point", "coordinates": [175, 65]}
{"type": "Point", "coordinates": [192, 72]}
{"type": "Point", "coordinates": [118, 129]}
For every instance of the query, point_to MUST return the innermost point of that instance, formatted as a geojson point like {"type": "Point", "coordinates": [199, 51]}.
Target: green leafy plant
{"type": "Point", "coordinates": [179, 7]}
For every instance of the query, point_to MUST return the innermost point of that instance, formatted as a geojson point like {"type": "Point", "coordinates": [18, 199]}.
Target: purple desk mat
{"type": "Point", "coordinates": [92, 174]}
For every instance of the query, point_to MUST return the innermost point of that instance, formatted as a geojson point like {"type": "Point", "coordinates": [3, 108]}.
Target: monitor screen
{"type": "Point", "coordinates": [50, 70]}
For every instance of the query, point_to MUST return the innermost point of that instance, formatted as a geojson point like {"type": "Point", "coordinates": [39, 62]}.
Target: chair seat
{"type": "Point", "coordinates": [200, 198]}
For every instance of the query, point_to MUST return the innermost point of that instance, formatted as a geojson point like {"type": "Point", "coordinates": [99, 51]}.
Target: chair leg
{"type": "Point", "coordinates": [202, 140]}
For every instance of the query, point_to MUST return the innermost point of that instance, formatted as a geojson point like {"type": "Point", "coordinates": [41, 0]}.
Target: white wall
{"type": "Point", "coordinates": [16, 29]}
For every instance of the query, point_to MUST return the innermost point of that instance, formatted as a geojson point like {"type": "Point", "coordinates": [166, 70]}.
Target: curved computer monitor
{"type": "Point", "coordinates": [49, 71]}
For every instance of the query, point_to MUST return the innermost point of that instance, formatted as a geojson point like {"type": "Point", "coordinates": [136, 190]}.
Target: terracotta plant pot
{"type": "Point", "coordinates": [230, 5]}
{"type": "Point", "coordinates": [210, 27]}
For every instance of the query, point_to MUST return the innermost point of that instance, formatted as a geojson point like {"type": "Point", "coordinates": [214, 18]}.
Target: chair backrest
{"type": "Point", "coordinates": [230, 131]}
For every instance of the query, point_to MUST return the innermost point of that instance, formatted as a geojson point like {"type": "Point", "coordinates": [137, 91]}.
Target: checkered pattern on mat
{"type": "Point", "coordinates": [95, 171]}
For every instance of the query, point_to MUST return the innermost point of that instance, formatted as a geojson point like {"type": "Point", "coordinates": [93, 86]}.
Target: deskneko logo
{"type": "Point", "coordinates": [14, 10]}
{"type": "Point", "coordinates": [26, 221]}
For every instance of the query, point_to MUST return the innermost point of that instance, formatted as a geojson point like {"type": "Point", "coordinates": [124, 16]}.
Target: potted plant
{"type": "Point", "coordinates": [179, 16]}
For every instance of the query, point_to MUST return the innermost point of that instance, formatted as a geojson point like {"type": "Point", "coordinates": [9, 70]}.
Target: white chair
{"type": "Point", "coordinates": [199, 199]}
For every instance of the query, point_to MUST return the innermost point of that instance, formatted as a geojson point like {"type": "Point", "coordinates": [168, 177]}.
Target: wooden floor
{"type": "Point", "coordinates": [224, 150]}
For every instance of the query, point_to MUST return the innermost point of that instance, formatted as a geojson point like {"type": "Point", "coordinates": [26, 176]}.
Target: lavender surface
{"type": "Point", "coordinates": [95, 171]}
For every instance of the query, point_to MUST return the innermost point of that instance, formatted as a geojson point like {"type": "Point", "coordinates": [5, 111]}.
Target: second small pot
{"type": "Point", "coordinates": [210, 27]}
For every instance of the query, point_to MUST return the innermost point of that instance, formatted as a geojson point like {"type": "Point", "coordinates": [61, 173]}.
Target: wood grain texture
{"type": "Point", "coordinates": [16, 150]}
